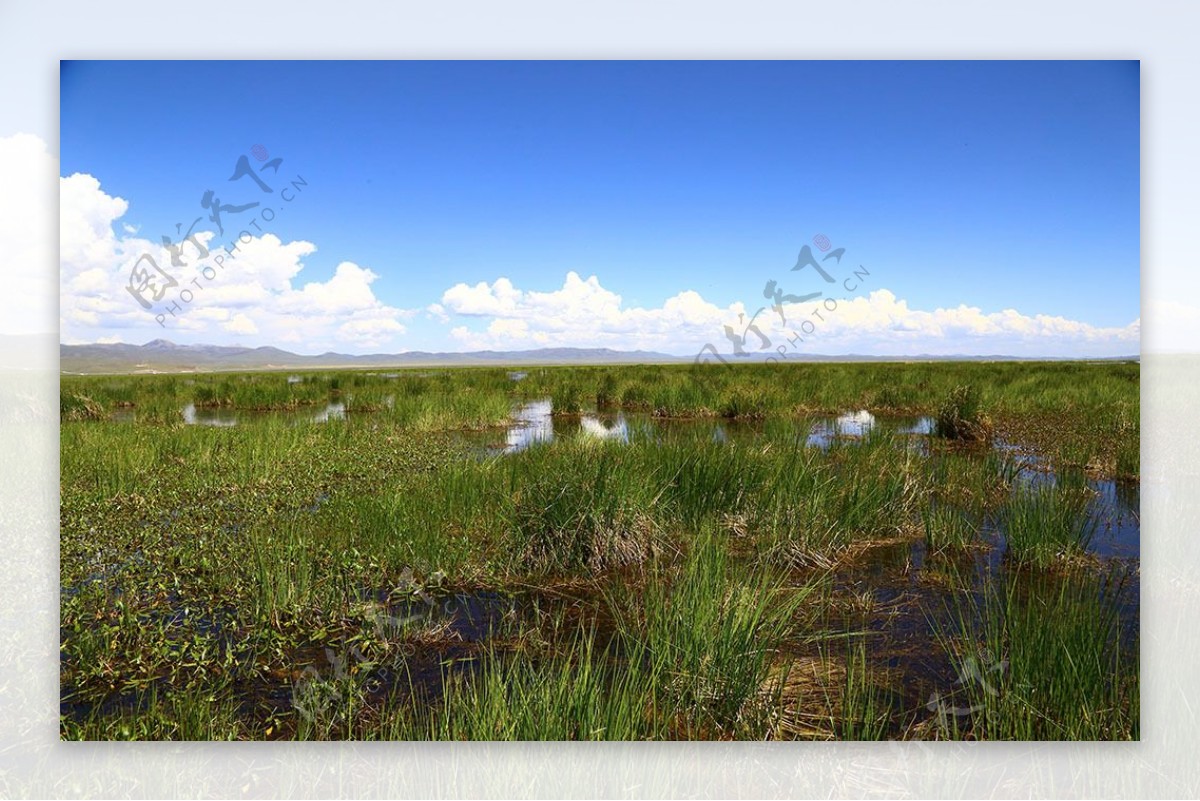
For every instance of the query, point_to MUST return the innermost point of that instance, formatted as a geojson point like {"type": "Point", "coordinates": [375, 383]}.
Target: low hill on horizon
{"type": "Point", "coordinates": [161, 355]}
{"type": "Point", "coordinates": [164, 356]}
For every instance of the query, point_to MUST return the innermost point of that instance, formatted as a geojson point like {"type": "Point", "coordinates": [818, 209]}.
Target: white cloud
{"type": "Point", "coordinates": [436, 311]}
{"type": "Point", "coordinates": [348, 291]}
{"type": "Point", "coordinates": [888, 325]}
{"type": "Point", "coordinates": [264, 292]}
{"type": "Point", "coordinates": [585, 314]}
{"type": "Point", "coordinates": [240, 324]}
{"type": "Point", "coordinates": [368, 331]}
{"type": "Point", "coordinates": [254, 292]}
{"type": "Point", "coordinates": [483, 299]}
{"type": "Point", "coordinates": [580, 314]}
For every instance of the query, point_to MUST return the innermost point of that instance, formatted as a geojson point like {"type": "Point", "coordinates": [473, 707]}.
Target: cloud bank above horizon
{"type": "Point", "coordinates": [582, 313]}
{"type": "Point", "coordinates": [267, 296]}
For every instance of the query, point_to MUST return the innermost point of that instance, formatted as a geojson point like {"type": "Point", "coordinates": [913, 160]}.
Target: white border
{"type": "Point", "coordinates": [1161, 34]}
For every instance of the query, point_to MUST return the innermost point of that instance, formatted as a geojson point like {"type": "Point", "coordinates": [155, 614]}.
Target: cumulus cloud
{"type": "Point", "coordinates": [886, 321]}
{"type": "Point", "coordinates": [582, 313]}
{"type": "Point", "coordinates": [254, 296]}
{"type": "Point", "coordinates": [267, 295]}
{"type": "Point", "coordinates": [240, 324]}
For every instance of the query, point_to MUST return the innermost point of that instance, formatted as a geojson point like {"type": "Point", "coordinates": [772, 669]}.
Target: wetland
{"type": "Point", "coordinates": [930, 550]}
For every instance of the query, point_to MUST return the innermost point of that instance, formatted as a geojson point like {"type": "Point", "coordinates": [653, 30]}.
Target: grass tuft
{"type": "Point", "coordinates": [1046, 523]}
{"type": "Point", "coordinates": [960, 416]}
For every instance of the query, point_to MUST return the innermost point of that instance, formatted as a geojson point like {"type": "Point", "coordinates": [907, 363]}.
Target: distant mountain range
{"type": "Point", "coordinates": [161, 355]}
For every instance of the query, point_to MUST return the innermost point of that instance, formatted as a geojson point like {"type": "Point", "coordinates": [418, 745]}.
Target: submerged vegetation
{"type": "Point", "coordinates": [650, 552]}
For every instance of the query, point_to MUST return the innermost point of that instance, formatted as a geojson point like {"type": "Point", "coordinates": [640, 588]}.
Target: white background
{"type": "Point", "coordinates": [1162, 34]}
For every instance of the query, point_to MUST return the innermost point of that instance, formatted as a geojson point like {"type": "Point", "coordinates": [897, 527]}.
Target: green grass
{"type": "Point", "coordinates": [209, 713]}
{"type": "Point", "coordinates": [813, 507]}
{"type": "Point", "coordinates": [471, 398]}
{"type": "Point", "coordinates": [1047, 523]}
{"type": "Point", "coordinates": [864, 710]}
{"type": "Point", "coordinates": [566, 400]}
{"type": "Point", "coordinates": [711, 631]}
{"type": "Point", "coordinates": [1043, 661]}
{"type": "Point", "coordinates": [960, 416]}
{"type": "Point", "coordinates": [947, 528]}
{"type": "Point", "coordinates": [581, 511]}
{"type": "Point", "coordinates": [575, 695]}
{"type": "Point", "coordinates": [689, 657]}
{"type": "Point", "coordinates": [204, 568]}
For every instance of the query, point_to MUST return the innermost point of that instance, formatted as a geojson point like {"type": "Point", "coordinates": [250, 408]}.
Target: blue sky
{"type": "Point", "coordinates": [991, 186]}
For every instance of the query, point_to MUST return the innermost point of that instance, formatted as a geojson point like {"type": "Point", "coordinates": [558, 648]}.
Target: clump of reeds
{"type": "Point", "coordinates": [572, 693]}
{"type": "Point", "coordinates": [607, 395]}
{"type": "Point", "coordinates": [1128, 437]}
{"type": "Point", "coordinates": [960, 416]}
{"type": "Point", "coordinates": [1048, 522]}
{"type": "Point", "coordinates": [864, 710]}
{"type": "Point", "coordinates": [1129, 461]}
{"type": "Point", "coordinates": [1046, 660]}
{"type": "Point", "coordinates": [178, 714]}
{"type": "Point", "coordinates": [711, 630]}
{"type": "Point", "coordinates": [77, 406]}
{"type": "Point", "coordinates": [566, 400]}
{"type": "Point", "coordinates": [745, 404]}
{"type": "Point", "coordinates": [947, 528]}
{"type": "Point", "coordinates": [570, 513]}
